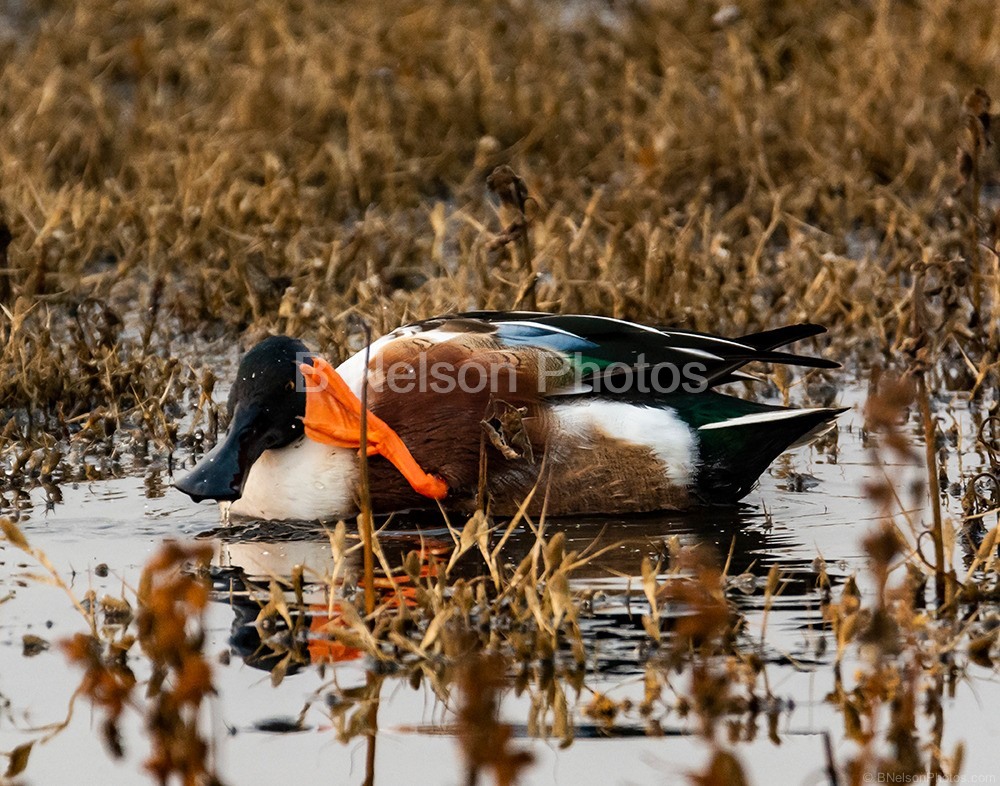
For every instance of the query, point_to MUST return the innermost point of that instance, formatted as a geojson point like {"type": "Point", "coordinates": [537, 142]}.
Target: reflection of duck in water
{"type": "Point", "coordinates": [270, 644]}
{"type": "Point", "coordinates": [256, 578]}
{"type": "Point", "coordinates": [608, 416]}
{"type": "Point", "coordinates": [252, 560]}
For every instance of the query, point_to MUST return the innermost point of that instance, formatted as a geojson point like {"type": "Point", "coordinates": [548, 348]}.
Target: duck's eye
{"type": "Point", "coordinates": [272, 439]}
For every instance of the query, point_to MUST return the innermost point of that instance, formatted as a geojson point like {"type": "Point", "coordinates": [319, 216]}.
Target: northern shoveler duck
{"type": "Point", "coordinates": [600, 414]}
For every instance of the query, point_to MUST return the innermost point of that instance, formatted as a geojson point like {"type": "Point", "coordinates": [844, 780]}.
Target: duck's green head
{"type": "Point", "coordinates": [266, 405]}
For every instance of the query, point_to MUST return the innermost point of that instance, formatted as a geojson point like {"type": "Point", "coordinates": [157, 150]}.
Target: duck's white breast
{"type": "Point", "coordinates": [304, 481]}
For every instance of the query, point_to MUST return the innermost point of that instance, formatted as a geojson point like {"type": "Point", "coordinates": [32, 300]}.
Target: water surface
{"type": "Point", "coordinates": [811, 503]}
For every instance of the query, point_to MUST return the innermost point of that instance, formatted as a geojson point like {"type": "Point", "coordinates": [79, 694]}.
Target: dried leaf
{"type": "Point", "coordinates": [12, 533]}
{"type": "Point", "coordinates": [18, 760]}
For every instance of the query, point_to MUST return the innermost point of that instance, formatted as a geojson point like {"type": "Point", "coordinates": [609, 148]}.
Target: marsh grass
{"type": "Point", "coordinates": [181, 177]}
{"type": "Point", "coordinates": [169, 173]}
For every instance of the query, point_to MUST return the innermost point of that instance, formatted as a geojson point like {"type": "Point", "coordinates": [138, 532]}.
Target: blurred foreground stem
{"type": "Point", "coordinates": [365, 521]}
{"type": "Point", "coordinates": [919, 365]}
{"type": "Point", "coordinates": [937, 531]}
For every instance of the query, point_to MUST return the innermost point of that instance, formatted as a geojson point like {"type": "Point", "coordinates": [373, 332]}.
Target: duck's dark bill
{"type": "Point", "coordinates": [222, 471]}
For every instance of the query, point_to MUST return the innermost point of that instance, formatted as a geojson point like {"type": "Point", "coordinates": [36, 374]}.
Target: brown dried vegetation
{"type": "Point", "coordinates": [171, 173]}
{"type": "Point", "coordinates": [176, 178]}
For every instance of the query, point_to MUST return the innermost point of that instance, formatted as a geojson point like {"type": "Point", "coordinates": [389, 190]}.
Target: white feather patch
{"type": "Point", "coordinates": [760, 417]}
{"type": "Point", "coordinates": [352, 370]}
{"type": "Point", "coordinates": [305, 481]}
{"type": "Point", "coordinates": [698, 353]}
{"type": "Point", "coordinates": [669, 438]}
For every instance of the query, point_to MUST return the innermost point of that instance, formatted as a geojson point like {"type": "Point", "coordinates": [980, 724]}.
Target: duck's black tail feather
{"type": "Point", "coordinates": [779, 337]}
{"type": "Point", "coordinates": [734, 452]}
{"type": "Point", "coordinates": [768, 340]}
